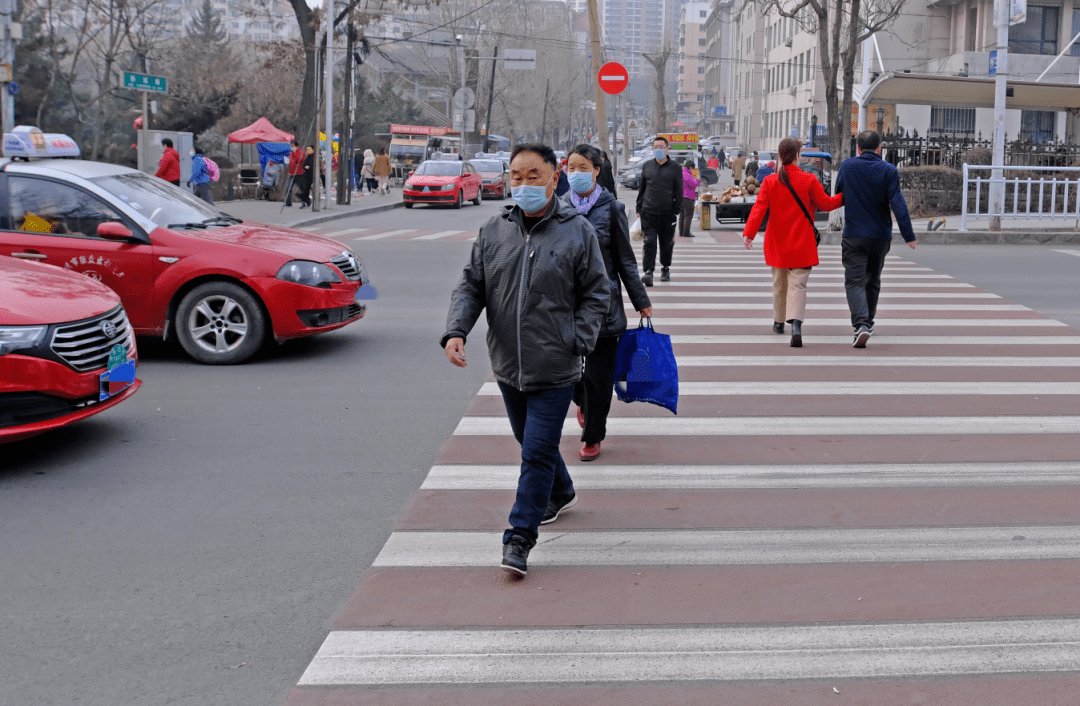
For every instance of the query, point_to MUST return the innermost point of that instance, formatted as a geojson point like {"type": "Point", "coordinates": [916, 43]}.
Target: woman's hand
{"type": "Point", "coordinates": [748, 243]}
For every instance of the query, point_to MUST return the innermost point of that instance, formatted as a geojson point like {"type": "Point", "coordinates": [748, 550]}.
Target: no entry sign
{"type": "Point", "coordinates": [613, 78]}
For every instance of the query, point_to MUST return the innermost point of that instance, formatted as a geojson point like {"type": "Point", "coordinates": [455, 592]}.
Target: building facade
{"type": "Point", "coordinates": [718, 115]}
{"type": "Point", "coordinates": [690, 96]}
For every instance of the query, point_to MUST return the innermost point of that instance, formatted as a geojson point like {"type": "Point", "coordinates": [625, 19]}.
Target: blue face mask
{"type": "Point", "coordinates": [580, 182]}
{"type": "Point", "coordinates": [530, 197]}
{"type": "Point", "coordinates": [659, 154]}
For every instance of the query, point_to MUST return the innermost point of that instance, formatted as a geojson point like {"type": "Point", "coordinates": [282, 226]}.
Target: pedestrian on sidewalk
{"type": "Point", "coordinates": [659, 200]}
{"type": "Point", "coordinates": [764, 171]}
{"type": "Point", "coordinates": [690, 187]}
{"type": "Point", "coordinates": [296, 171]}
{"type": "Point", "coordinates": [367, 172]}
{"type": "Point", "coordinates": [382, 171]}
{"type": "Point", "coordinates": [308, 177]}
{"type": "Point", "coordinates": [592, 394]}
{"type": "Point", "coordinates": [752, 167]}
{"type": "Point", "coordinates": [200, 177]}
{"type": "Point", "coordinates": [790, 197]}
{"type": "Point", "coordinates": [536, 268]}
{"type": "Point", "coordinates": [563, 186]}
{"type": "Point", "coordinates": [871, 186]}
{"type": "Point", "coordinates": [169, 165]}
{"type": "Point", "coordinates": [737, 166]}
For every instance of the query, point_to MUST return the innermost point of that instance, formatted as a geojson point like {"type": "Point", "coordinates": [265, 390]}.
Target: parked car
{"type": "Point", "coordinates": [494, 177]}
{"type": "Point", "coordinates": [631, 176]}
{"type": "Point", "coordinates": [67, 351]}
{"type": "Point", "coordinates": [437, 181]}
{"type": "Point", "coordinates": [182, 268]}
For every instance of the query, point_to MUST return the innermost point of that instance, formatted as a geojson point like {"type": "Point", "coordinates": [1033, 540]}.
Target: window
{"type": "Point", "coordinates": [952, 121]}
{"type": "Point", "coordinates": [701, 69]}
{"type": "Point", "coordinates": [701, 42]}
{"type": "Point", "coordinates": [1039, 35]}
{"type": "Point", "coordinates": [1037, 125]}
{"type": "Point", "coordinates": [42, 206]}
{"type": "Point", "coordinates": [703, 14]}
{"type": "Point", "coordinates": [1074, 50]}
{"type": "Point", "coordinates": [700, 84]}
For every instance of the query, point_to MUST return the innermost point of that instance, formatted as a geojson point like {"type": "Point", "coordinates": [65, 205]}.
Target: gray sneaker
{"type": "Point", "coordinates": [516, 556]}
{"type": "Point", "coordinates": [861, 337]}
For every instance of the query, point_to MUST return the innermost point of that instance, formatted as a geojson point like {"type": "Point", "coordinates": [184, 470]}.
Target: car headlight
{"type": "Point", "coordinates": [313, 274]}
{"type": "Point", "coordinates": [448, 187]}
{"type": "Point", "coordinates": [409, 184]}
{"type": "Point", "coordinates": [12, 338]}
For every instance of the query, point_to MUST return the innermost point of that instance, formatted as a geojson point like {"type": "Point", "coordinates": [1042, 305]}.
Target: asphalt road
{"type": "Point", "coordinates": [193, 545]}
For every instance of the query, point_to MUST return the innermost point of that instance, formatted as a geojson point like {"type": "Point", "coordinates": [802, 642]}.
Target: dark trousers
{"type": "Point", "coordinates": [204, 193]}
{"type": "Point", "coordinates": [294, 182]}
{"type": "Point", "coordinates": [863, 260]}
{"type": "Point", "coordinates": [686, 218]}
{"type": "Point", "coordinates": [657, 227]}
{"type": "Point", "coordinates": [537, 420]}
{"type": "Point", "coordinates": [593, 392]}
{"type": "Point", "coordinates": [304, 191]}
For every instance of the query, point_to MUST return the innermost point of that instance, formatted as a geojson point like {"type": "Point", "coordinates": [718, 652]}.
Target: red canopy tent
{"type": "Point", "coordinates": [262, 130]}
{"type": "Point", "coordinates": [677, 123]}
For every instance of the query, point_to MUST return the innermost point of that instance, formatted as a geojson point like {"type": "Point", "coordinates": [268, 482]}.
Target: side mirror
{"type": "Point", "coordinates": [410, 172]}
{"type": "Point", "coordinates": [113, 231]}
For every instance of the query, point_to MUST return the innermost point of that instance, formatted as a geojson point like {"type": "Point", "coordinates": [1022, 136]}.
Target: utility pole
{"type": "Point", "coordinates": [316, 192]}
{"type": "Point", "coordinates": [543, 120]}
{"type": "Point", "coordinates": [626, 128]}
{"type": "Point", "coordinates": [328, 153]}
{"type": "Point", "coordinates": [344, 194]}
{"type": "Point", "coordinates": [491, 97]}
{"type": "Point", "coordinates": [997, 175]}
{"type": "Point", "coordinates": [601, 112]}
{"type": "Point", "coordinates": [11, 31]}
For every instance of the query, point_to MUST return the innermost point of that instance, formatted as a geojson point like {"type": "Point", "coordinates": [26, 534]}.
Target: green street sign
{"type": "Point", "coordinates": [142, 82]}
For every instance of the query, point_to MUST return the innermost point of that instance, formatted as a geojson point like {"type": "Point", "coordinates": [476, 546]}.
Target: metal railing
{"type": "Point", "coordinates": [1020, 189]}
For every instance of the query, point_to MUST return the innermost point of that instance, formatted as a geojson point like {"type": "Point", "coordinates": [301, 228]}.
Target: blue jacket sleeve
{"type": "Point", "coordinates": [899, 206]}
{"type": "Point", "coordinates": [840, 180]}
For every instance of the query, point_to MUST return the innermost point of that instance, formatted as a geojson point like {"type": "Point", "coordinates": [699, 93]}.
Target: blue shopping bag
{"type": "Point", "coordinates": [645, 368]}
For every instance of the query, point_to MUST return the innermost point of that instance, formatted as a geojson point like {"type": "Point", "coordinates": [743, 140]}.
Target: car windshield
{"type": "Point", "coordinates": [439, 169]}
{"type": "Point", "coordinates": [161, 202]}
{"type": "Point", "coordinates": [487, 165]}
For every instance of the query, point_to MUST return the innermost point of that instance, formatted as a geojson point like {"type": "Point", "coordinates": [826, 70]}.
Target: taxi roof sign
{"type": "Point", "coordinates": [27, 142]}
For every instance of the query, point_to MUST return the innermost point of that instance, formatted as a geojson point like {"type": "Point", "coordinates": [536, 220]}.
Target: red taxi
{"type": "Point", "coordinates": [182, 268]}
{"type": "Point", "coordinates": [444, 181]}
{"type": "Point", "coordinates": [66, 349]}
{"type": "Point", "coordinates": [494, 176]}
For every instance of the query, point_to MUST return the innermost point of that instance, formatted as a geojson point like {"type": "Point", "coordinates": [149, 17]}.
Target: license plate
{"type": "Point", "coordinates": [119, 376]}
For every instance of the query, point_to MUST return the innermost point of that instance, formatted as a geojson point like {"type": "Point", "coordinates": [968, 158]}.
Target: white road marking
{"type": "Point", "coordinates": [768, 283]}
{"type": "Point", "coordinates": [436, 236]}
{"type": "Point", "coordinates": [842, 387]}
{"type": "Point", "coordinates": [882, 339]}
{"type": "Point", "coordinates": [877, 475]}
{"type": "Point", "coordinates": [1069, 252]}
{"type": "Point", "coordinates": [742, 306]}
{"type": "Point", "coordinates": [800, 426]}
{"type": "Point", "coordinates": [862, 361]}
{"type": "Point", "coordinates": [388, 234]}
{"type": "Point", "coordinates": [811, 295]}
{"type": "Point", "coordinates": [663, 323]}
{"type": "Point", "coordinates": [347, 231]}
{"type": "Point", "coordinates": [742, 547]}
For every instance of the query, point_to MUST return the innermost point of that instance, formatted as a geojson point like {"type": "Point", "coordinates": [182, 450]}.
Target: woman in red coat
{"type": "Point", "coordinates": [790, 247]}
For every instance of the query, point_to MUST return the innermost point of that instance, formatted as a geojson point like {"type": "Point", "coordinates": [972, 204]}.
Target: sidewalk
{"type": "Point", "coordinates": [272, 213]}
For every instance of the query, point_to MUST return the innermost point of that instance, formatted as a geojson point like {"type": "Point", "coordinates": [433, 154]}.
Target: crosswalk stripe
{"type": "Point", "coordinates": [837, 387]}
{"type": "Point", "coordinates": [818, 294]}
{"type": "Point", "coordinates": [346, 231]}
{"type": "Point", "coordinates": [881, 339]}
{"type": "Point", "coordinates": [925, 362]}
{"type": "Point", "coordinates": [440, 234]}
{"type": "Point", "coordinates": [741, 547]}
{"type": "Point", "coordinates": [1069, 252]}
{"type": "Point", "coordinates": [759, 282]}
{"type": "Point", "coordinates": [662, 323]}
{"type": "Point", "coordinates": [388, 234]}
{"type": "Point", "coordinates": [841, 651]}
{"type": "Point", "coordinates": [760, 476]}
{"type": "Point", "coordinates": [799, 426]}
{"type": "Point", "coordinates": [741, 306]}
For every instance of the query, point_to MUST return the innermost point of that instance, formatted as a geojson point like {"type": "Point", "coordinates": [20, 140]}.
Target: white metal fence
{"type": "Point", "coordinates": [1030, 192]}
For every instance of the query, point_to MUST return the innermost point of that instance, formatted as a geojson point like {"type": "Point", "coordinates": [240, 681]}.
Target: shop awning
{"type": "Point", "coordinates": [969, 92]}
{"type": "Point", "coordinates": [262, 130]}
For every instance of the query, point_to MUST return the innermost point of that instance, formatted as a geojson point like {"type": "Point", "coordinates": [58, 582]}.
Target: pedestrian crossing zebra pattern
{"type": "Point", "coordinates": [895, 525]}
{"type": "Point", "coordinates": [362, 235]}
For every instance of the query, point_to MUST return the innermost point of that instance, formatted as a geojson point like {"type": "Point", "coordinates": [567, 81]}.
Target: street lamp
{"type": "Point", "coordinates": [880, 120]}
{"type": "Point", "coordinates": [813, 129]}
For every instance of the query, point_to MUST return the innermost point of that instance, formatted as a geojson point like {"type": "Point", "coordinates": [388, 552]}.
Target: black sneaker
{"type": "Point", "coordinates": [516, 555]}
{"type": "Point", "coordinates": [554, 508]}
{"type": "Point", "coordinates": [778, 327]}
{"type": "Point", "coordinates": [665, 274]}
{"type": "Point", "coordinates": [646, 279]}
{"type": "Point", "coordinates": [861, 337]}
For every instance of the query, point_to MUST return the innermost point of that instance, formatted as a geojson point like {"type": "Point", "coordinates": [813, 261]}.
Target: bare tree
{"type": "Point", "coordinates": [659, 62]}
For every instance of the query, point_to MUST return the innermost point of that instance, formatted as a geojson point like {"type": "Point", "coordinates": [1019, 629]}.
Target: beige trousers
{"type": "Point", "coordinates": [789, 293]}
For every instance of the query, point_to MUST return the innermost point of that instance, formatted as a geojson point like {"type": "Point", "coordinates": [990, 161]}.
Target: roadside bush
{"type": "Point", "coordinates": [978, 155]}
{"type": "Point", "coordinates": [931, 191]}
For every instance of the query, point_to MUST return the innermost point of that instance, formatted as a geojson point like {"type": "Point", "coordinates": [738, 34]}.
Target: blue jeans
{"type": "Point", "coordinates": [537, 420]}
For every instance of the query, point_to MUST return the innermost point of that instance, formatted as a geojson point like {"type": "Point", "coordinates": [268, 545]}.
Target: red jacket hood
{"type": "Point", "coordinates": [42, 294]}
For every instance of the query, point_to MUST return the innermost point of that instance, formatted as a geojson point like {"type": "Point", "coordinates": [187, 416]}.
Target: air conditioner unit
{"type": "Point", "coordinates": [787, 42]}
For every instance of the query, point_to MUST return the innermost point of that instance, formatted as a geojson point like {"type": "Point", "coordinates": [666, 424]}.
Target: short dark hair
{"type": "Point", "coordinates": [198, 150]}
{"type": "Point", "coordinates": [166, 142]}
{"type": "Point", "coordinates": [294, 143]}
{"type": "Point", "coordinates": [662, 139]}
{"type": "Point", "coordinates": [868, 141]}
{"type": "Point", "coordinates": [543, 151]}
{"type": "Point", "coordinates": [588, 152]}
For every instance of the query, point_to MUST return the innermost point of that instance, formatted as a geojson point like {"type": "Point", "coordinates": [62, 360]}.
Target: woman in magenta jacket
{"type": "Point", "coordinates": [790, 246]}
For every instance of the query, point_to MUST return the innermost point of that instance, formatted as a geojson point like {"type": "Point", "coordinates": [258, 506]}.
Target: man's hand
{"type": "Point", "coordinates": [455, 351]}
{"type": "Point", "coordinates": [646, 312]}
{"type": "Point", "coordinates": [912, 244]}
{"type": "Point", "coordinates": [748, 242]}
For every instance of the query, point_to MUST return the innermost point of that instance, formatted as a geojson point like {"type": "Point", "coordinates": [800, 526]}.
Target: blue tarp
{"type": "Point", "coordinates": [272, 152]}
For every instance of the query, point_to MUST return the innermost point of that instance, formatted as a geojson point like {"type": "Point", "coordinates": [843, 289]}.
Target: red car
{"type": "Point", "coordinates": [66, 349]}
{"type": "Point", "coordinates": [182, 268]}
{"type": "Point", "coordinates": [445, 181]}
{"type": "Point", "coordinates": [494, 176]}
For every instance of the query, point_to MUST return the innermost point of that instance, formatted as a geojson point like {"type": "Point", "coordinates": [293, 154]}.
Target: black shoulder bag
{"type": "Point", "coordinates": [817, 233]}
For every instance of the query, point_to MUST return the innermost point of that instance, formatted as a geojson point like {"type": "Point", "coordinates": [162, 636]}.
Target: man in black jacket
{"type": "Point", "coordinates": [537, 270]}
{"type": "Point", "coordinates": [659, 200]}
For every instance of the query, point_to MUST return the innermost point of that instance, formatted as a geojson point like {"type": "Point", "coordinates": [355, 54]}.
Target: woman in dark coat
{"type": "Point", "coordinates": [607, 176]}
{"type": "Point", "coordinates": [304, 180]}
{"type": "Point", "coordinates": [593, 393]}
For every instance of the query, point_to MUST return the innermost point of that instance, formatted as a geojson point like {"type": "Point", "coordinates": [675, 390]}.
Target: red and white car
{"type": "Point", "coordinates": [444, 181]}
{"type": "Point", "coordinates": [494, 177]}
{"type": "Point", "coordinates": [66, 349]}
{"type": "Point", "coordinates": [182, 268]}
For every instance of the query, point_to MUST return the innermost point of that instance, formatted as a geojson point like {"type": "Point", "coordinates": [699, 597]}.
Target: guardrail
{"type": "Point", "coordinates": [1019, 189]}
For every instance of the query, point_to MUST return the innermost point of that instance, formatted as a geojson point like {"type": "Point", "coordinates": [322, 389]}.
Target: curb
{"type": "Point", "coordinates": [345, 214]}
{"type": "Point", "coordinates": [982, 237]}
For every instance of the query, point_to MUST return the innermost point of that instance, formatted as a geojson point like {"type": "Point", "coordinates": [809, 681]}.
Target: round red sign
{"type": "Point", "coordinates": [613, 78]}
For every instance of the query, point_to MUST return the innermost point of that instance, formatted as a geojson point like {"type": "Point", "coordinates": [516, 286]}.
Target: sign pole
{"type": "Point", "coordinates": [997, 175]}
{"type": "Point", "coordinates": [146, 135]}
{"type": "Point", "coordinates": [626, 130]}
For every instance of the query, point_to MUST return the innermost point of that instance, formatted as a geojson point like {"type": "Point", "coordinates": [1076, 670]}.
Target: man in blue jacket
{"type": "Point", "coordinates": [871, 187]}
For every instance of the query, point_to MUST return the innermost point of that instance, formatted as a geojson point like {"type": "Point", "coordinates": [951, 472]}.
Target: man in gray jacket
{"type": "Point", "coordinates": [537, 270]}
